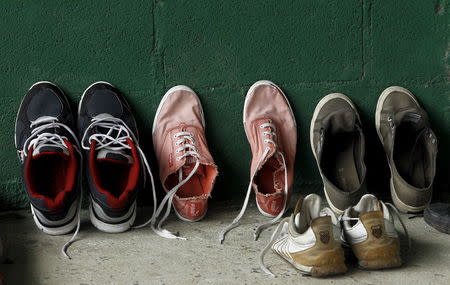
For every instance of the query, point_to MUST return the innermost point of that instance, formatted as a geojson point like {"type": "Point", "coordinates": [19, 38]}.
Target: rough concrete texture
{"type": "Point", "coordinates": [219, 48]}
{"type": "Point", "coordinates": [141, 257]}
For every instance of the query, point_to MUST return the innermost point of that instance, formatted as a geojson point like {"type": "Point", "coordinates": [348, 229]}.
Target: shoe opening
{"type": "Point", "coordinates": [115, 174]}
{"type": "Point", "coordinates": [50, 175]}
{"type": "Point", "coordinates": [412, 155]}
{"type": "Point", "coordinates": [270, 177]}
{"type": "Point", "coordinates": [200, 184]}
{"type": "Point", "coordinates": [342, 160]}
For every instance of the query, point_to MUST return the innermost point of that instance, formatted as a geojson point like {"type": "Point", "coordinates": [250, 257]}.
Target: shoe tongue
{"type": "Point", "coordinates": [50, 149]}
{"type": "Point", "coordinates": [189, 166]}
{"type": "Point", "coordinates": [118, 156]}
{"type": "Point", "coordinates": [415, 120]}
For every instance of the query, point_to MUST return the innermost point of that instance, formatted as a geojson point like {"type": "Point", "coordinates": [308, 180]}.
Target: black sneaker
{"type": "Point", "coordinates": [50, 156]}
{"type": "Point", "coordinates": [114, 161]}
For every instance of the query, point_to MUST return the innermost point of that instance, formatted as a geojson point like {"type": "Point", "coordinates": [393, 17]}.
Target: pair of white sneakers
{"type": "Point", "coordinates": [312, 238]}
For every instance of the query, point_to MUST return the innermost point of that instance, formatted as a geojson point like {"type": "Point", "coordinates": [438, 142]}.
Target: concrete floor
{"type": "Point", "coordinates": [141, 257]}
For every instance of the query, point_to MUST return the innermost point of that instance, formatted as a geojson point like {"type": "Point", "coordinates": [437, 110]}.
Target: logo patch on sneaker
{"type": "Point", "coordinates": [324, 236]}
{"type": "Point", "coordinates": [377, 231]}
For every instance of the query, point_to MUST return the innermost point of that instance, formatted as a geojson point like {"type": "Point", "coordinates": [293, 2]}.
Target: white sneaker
{"type": "Point", "coordinates": [309, 240]}
{"type": "Point", "coordinates": [369, 229]}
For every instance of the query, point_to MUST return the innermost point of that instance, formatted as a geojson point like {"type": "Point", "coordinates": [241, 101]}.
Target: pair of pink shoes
{"type": "Point", "coordinates": [187, 169]}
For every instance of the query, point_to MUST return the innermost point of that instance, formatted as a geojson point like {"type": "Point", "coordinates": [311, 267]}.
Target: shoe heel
{"type": "Point", "coordinates": [402, 207]}
{"type": "Point", "coordinates": [107, 224]}
{"type": "Point", "coordinates": [334, 263]}
{"type": "Point", "coordinates": [60, 227]}
{"type": "Point", "coordinates": [382, 257]}
{"type": "Point", "coordinates": [380, 263]}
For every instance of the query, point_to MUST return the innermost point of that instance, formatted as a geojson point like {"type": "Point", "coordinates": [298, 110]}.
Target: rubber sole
{"type": "Point", "coordinates": [69, 222]}
{"type": "Point", "coordinates": [188, 220]}
{"type": "Point", "coordinates": [114, 225]}
{"type": "Point", "coordinates": [402, 207]}
{"type": "Point", "coordinates": [440, 220]}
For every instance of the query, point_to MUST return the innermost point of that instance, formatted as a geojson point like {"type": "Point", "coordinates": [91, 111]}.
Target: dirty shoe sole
{"type": "Point", "coordinates": [380, 257]}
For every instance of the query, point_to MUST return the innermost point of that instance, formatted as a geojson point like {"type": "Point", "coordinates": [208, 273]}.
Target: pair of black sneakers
{"type": "Point", "coordinates": [56, 165]}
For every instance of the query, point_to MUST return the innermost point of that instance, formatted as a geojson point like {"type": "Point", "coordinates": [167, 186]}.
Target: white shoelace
{"type": "Point", "coordinates": [405, 230]}
{"type": "Point", "coordinates": [273, 238]}
{"type": "Point", "coordinates": [184, 143]}
{"type": "Point", "coordinates": [72, 239]}
{"type": "Point", "coordinates": [39, 138]}
{"type": "Point", "coordinates": [258, 230]}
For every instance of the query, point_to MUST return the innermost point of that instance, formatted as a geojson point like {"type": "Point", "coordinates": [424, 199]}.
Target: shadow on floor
{"type": "Point", "coordinates": [17, 265]}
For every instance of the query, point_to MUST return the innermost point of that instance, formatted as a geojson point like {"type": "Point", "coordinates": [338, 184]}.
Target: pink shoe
{"type": "Point", "coordinates": [186, 168]}
{"type": "Point", "coordinates": [272, 133]}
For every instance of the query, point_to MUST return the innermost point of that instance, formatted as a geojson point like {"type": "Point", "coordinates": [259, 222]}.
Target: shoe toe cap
{"type": "Point", "coordinates": [191, 209]}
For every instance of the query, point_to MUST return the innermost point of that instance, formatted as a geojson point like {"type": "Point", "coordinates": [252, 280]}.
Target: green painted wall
{"type": "Point", "coordinates": [219, 48]}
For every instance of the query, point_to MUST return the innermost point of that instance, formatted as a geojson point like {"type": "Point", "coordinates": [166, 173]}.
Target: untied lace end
{"type": "Point", "coordinates": [73, 238]}
{"type": "Point", "coordinates": [167, 200]}
{"type": "Point", "coordinates": [244, 206]}
{"type": "Point", "coordinates": [402, 223]}
{"type": "Point", "coordinates": [276, 233]}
